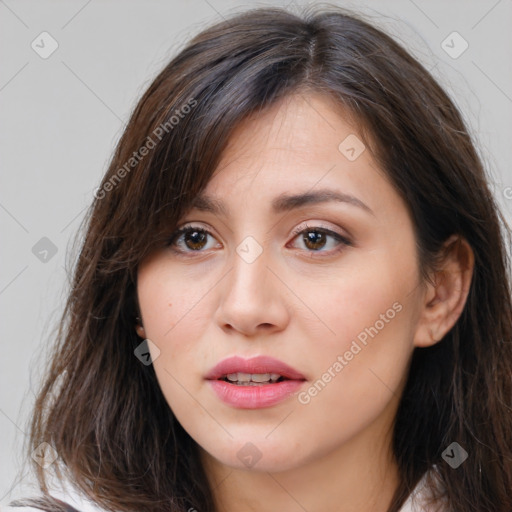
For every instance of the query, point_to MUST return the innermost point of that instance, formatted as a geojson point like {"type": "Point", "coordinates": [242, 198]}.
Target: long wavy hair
{"type": "Point", "coordinates": [103, 411]}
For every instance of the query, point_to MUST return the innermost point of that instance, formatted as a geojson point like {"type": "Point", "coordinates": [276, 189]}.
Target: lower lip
{"type": "Point", "coordinates": [255, 397]}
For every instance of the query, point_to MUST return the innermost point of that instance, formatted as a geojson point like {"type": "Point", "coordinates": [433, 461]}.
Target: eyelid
{"type": "Point", "coordinates": [317, 226]}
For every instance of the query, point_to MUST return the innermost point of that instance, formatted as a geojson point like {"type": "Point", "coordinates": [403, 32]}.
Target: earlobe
{"type": "Point", "coordinates": [139, 328]}
{"type": "Point", "coordinates": [446, 296]}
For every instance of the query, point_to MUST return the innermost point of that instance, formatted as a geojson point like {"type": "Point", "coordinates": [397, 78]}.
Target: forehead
{"type": "Point", "coordinates": [289, 157]}
{"type": "Point", "coordinates": [298, 122]}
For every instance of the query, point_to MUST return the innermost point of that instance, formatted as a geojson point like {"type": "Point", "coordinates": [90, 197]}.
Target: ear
{"type": "Point", "coordinates": [445, 297]}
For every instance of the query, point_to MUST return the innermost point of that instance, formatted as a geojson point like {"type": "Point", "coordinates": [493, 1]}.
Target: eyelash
{"type": "Point", "coordinates": [343, 241]}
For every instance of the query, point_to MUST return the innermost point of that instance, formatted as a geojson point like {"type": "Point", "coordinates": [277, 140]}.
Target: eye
{"type": "Point", "coordinates": [190, 237]}
{"type": "Point", "coordinates": [194, 239]}
{"type": "Point", "coordinates": [315, 238]}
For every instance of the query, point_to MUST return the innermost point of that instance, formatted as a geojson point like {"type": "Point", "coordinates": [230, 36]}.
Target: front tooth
{"type": "Point", "coordinates": [260, 377]}
{"type": "Point", "coordinates": [244, 377]}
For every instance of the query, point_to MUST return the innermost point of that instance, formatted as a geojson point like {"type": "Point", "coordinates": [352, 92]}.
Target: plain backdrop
{"type": "Point", "coordinates": [62, 113]}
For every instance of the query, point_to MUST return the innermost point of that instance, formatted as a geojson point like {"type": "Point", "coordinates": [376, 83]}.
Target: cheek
{"type": "Point", "coordinates": [174, 313]}
{"type": "Point", "coordinates": [369, 315]}
{"type": "Point", "coordinates": [169, 299]}
{"type": "Point", "coordinates": [357, 373]}
{"type": "Point", "coordinates": [361, 300]}
{"type": "Point", "coordinates": [155, 301]}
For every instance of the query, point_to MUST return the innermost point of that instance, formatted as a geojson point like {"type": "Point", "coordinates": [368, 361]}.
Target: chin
{"type": "Point", "coordinates": [258, 456]}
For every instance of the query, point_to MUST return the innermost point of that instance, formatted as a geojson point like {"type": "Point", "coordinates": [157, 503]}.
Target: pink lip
{"type": "Point", "coordinates": [254, 397]}
{"type": "Point", "coordinates": [259, 364]}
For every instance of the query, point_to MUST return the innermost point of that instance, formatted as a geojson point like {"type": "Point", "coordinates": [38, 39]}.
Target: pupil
{"type": "Point", "coordinates": [314, 237]}
{"type": "Point", "coordinates": [197, 239]}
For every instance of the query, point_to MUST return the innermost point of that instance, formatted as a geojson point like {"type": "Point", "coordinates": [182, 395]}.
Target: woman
{"type": "Point", "coordinates": [293, 290]}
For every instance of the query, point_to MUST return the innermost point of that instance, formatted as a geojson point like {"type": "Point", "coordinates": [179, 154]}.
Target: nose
{"type": "Point", "coordinates": [253, 298]}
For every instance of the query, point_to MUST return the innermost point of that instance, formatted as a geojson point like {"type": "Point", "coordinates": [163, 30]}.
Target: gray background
{"type": "Point", "coordinates": [62, 115]}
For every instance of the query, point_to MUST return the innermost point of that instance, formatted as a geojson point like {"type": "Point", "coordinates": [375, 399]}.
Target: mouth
{"type": "Point", "coordinates": [254, 371]}
{"type": "Point", "coordinates": [254, 383]}
{"type": "Point", "coordinates": [253, 379]}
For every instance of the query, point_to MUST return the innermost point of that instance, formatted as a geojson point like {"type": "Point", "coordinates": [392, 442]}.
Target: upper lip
{"type": "Point", "coordinates": [258, 364]}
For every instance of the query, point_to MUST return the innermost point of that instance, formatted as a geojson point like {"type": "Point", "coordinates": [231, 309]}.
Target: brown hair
{"type": "Point", "coordinates": [103, 410]}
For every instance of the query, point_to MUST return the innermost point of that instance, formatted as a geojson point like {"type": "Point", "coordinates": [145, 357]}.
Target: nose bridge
{"type": "Point", "coordinates": [249, 274]}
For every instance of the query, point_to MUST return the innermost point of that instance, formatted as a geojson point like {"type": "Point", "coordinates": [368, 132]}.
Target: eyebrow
{"type": "Point", "coordinates": [285, 202]}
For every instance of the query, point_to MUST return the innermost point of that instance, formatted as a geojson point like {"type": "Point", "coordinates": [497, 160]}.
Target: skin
{"type": "Point", "coordinates": [302, 304]}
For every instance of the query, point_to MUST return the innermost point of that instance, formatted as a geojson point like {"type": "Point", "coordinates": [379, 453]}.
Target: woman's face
{"type": "Point", "coordinates": [308, 262]}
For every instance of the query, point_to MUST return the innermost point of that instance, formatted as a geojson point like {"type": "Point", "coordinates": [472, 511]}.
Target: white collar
{"type": "Point", "coordinates": [417, 500]}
